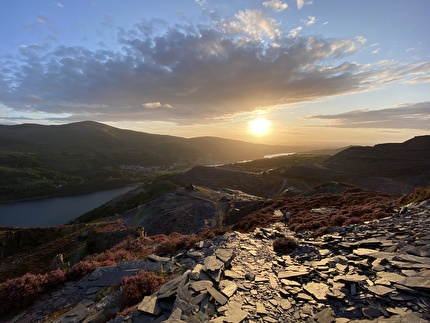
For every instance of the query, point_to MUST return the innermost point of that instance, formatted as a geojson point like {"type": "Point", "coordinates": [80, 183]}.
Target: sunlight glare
{"type": "Point", "coordinates": [259, 127]}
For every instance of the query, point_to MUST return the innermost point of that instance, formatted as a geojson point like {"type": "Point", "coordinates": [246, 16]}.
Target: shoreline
{"type": "Point", "coordinates": [32, 199]}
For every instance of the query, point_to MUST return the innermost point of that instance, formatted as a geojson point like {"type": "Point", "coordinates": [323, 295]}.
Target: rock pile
{"type": "Point", "coordinates": [376, 272]}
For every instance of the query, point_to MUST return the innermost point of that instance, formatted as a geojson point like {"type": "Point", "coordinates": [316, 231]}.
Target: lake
{"type": "Point", "coordinates": [54, 210]}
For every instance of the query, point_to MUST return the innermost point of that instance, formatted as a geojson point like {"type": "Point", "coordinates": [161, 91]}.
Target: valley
{"type": "Point", "coordinates": [175, 206]}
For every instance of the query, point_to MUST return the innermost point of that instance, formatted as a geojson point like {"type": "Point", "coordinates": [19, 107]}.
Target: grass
{"type": "Point", "coordinates": [419, 195]}
{"type": "Point", "coordinates": [153, 189]}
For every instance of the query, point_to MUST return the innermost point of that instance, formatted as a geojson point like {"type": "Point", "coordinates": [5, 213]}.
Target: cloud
{"type": "Point", "coordinates": [192, 73]}
{"type": "Point", "coordinates": [404, 116]}
{"type": "Point", "coordinates": [301, 3]}
{"type": "Point", "coordinates": [202, 3]}
{"type": "Point", "coordinates": [276, 5]}
{"type": "Point", "coordinates": [42, 19]}
{"type": "Point", "coordinates": [252, 24]}
{"type": "Point", "coordinates": [311, 20]}
{"type": "Point", "coordinates": [156, 105]}
{"type": "Point", "coordinates": [294, 33]}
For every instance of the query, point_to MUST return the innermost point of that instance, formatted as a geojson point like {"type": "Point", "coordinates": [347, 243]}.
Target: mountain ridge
{"type": "Point", "coordinates": [88, 156]}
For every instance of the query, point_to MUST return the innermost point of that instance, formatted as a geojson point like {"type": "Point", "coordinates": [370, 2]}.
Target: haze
{"type": "Point", "coordinates": [319, 72]}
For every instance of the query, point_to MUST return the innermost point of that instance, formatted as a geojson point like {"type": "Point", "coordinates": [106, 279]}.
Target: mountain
{"type": "Point", "coordinates": [88, 156]}
{"type": "Point", "coordinates": [394, 168]}
{"type": "Point", "coordinates": [413, 154]}
{"type": "Point", "coordinates": [132, 233]}
{"type": "Point", "coordinates": [98, 136]}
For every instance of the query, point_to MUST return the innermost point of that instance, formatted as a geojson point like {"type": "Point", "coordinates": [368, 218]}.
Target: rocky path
{"type": "Point", "coordinates": [377, 272]}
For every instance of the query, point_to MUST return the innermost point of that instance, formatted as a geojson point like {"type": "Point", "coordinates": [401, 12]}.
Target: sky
{"type": "Point", "coordinates": [294, 72]}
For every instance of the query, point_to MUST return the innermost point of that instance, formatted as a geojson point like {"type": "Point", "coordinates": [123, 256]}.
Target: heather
{"type": "Point", "coordinates": [321, 211]}
{"type": "Point", "coordinates": [134, 288]}
{"type": "Point", "coordinates": [19, 292]}
{"type": "Point", "coordinates": [285, 245]}
{"type": "Point", "coordinates": [314, 212]}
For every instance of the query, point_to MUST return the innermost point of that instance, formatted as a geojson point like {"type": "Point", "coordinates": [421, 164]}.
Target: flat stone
{"type": "Point", "coordinates": [92, 290]}
{"type": "Point", "coordinates": [414, 259]}
{"type": "Point", "coordinates": [421, 283]}
{"type": "Point", "coordinates": [158, 258]}
{"type": "Point", "coordinates": [261, 279]}
{"type": "Point", "coordinates": [197, 299]}
{"type": "Point", "coordinates": [112, 278]}
{"type": "Point", "coordinates": [233, 313]}
{"type": "Point", "coordinates": [409, 265]}
{"type": "Point", "coordinates": [272, 281]}
{"type": "Point", "coordinates": [363, 252]}
{"type": "Point", "coordinates": [327, 315]}
{"type": "Point", "coordinates": [211, 263]}
{"type": "Point", "coordinates": [317, 290]}
{"type": "Point", "coordinates": [355, 278]}
{"type": "Point", "coordinates": [261, 309]}
{"type": "Point", "coordinates": [291, 283]}
{"type": "Point", "coordinates": [380, 290]}
{"type": "Point", "coordinates": [228, 288]}
{"type": "Point", "coordinates": [398, 310]}
{"type": "Point", "coordinates": [304, 297]}
{"type": "Point", "coordinates": [285, 304]}
{"type": "Point", "coordinates": [384, 255]}
{"type": "Point", "coordinates": [195, 254]}
{"type": "Point", "coordinates": [371, 312]}
{"type": "Point", "coordinates": [200, 285]}
{"type": "Point", "coordinates": [233, 274]}
{"type": "Point", "coordinates": [392, 277]}
{"type": "Point", "coordinates": [170, 287]}
{"type": "Point", "coordinates": [77, 313]}
{"type": "Point", "coordinates": [195, 274]}
{"type": "Point", "coordinates": [149, 305]}
{"type": "Point", "coordinates": [294, 272]}
{"type": "Point", "coordinates": [225, 255]}
{"type": "Point", "coordinates": [220, 298]}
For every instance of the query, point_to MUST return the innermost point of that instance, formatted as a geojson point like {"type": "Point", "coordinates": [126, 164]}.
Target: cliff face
{"type": "Point", "coordinates": [13, 240]}
{"type": "Point", "coordinates": [32, 250]}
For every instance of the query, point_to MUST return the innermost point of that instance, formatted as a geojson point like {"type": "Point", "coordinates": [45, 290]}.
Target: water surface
{"type": "Point", "coordinates": [54, 210]}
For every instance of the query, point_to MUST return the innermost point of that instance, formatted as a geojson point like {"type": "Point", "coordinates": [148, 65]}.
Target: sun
{"type": "Point", "coordinates": [259, 127]}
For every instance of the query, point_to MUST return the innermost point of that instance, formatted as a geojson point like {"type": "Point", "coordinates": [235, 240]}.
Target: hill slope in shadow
{"type": "Point", "coordinates": [88, 156]}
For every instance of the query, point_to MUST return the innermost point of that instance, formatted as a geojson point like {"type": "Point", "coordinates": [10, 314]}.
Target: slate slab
{"type": "Point", "coordinates": [112, 278]}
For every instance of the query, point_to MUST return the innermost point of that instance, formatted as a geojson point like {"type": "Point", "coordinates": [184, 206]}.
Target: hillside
{"type": "Point", "coordinates": [391, 167]}
{"type": "Point", "coordinates": [88, 156]}
{"type": "Point", "coordinates": [166, 203]}
{"type": "Point", "coordinates": [346, 239]}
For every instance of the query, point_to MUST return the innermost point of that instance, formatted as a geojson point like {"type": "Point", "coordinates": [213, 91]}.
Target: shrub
{"type": "Point", "coordinates": [134, 288]}
{"type": "Point", "coordinates": [309, 226]}
{"type": "Point", "coordinates": [337, 220]}
{"type": "Point", "coordinates": [175, 242]}
{"type": "Point", "coordinates": [419, 195]}
{"type": "Point", "coordinates": [85, 267]}
{"type": "Point", "coordinates": [285, 245]}
{"type": "Point", "coordinates": [19, 292]}
{"type": "Point", "coordinates": [212, 233]}
{"type": "Point", "coordinates": [354, 220]}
